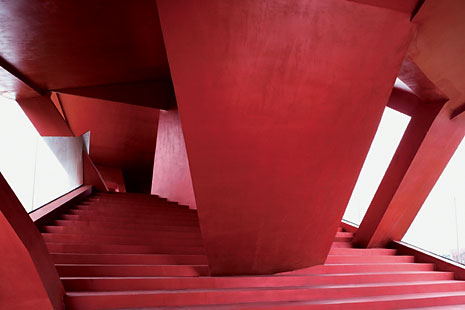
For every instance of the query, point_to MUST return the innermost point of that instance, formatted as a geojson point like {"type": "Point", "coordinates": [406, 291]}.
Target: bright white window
{"type": "Point", "coordinates": [384, 145]}
{"type": "Point", "coordinates": [38, 169]}
{"type": "Point", "coordinates": [439, 227]}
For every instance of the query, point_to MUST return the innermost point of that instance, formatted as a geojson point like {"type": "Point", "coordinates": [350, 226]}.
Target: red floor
{"type": "Point", "coordinates": [127, 251]}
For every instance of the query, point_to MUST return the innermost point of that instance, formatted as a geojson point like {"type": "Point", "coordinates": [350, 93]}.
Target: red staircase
{"type": "Point", "coordinates": [129, 251]}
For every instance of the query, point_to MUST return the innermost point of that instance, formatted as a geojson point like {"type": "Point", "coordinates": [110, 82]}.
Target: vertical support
{"type": "Point", "coordinates": [171, 173]}
{"type": "Point", "coordinates": [279, 101]}
{"type": "Point", "coordinates": [29, 278]}
{"type": "Point", "coordinates": [428, 144]}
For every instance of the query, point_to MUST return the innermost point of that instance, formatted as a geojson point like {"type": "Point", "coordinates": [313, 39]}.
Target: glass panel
{"type": "Point", "coordinates": [38, 169]}
{"type": "Point", "coordinates": [58, 168]}
{"type": "Point", "coordinates": [438, 227]}
{"type": "Point", "coordinates": [390, 131]}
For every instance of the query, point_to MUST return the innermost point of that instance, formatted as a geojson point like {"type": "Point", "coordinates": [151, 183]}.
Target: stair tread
{"type": "Point", "coordinates": [328, 302]}
{"type": "Point", "coordinates": [106, 247]}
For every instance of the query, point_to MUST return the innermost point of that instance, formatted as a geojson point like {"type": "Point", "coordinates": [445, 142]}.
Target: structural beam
{"type": "Point", "coordinates": [45, 117]}
{"type": "Point", "coordinates": [153, 94]}
{"type": "Point", "coordinates": [24, 79]}
{"type": "Point", "coordinates": [395, 195]}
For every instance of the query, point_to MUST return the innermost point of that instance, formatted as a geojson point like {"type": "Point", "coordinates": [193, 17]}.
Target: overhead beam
{"type": "Point", "coordinates": [419, 83]}
{"type": "Point", "coordinates": [392, 194]}
{"type": "Point", "coordinates": [157, 94]}
{"type": "Point", "coordinates": [20, 76]}
{"type": "Point", "coordinates": [45, 116]}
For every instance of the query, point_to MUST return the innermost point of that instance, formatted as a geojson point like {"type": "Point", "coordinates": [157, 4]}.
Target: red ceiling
{"type": "Point", "coordinates": [76, 43]}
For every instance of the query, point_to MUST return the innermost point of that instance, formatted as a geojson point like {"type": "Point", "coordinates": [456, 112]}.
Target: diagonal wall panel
{"type": "Point", "coordinates": [279, 102]}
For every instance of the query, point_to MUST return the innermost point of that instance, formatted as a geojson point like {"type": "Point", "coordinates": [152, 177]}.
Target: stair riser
{"type": "Point", "coordinates": [134, 271]}
{"type": "Point", "coordinates": [359, 259]}
{"type": "Point", "coordinates": [89, 239]}
{"type": "Point", "coordinates": [327, 269]}
{"type": "Point", "coordinates": [129, 259]}
{"type": "Point", "coordinates": [122, 232]}
{"type": "Point", "coordinates": [121, 249]}
{"type": "Point", "coordinates": [154, 228]}
{"type": "Point", "coordinates": [122, 220]}
{"type": "Point", "coordinates": [244, 296]}
{"type": "Point", "coordinates": [121, 284]}
{"type": "Point", "coordinates": [344, 234]}
{"type": "Point", "coordinates": [132, 213]}
{"type": "Point", "coordinates": [347, 251]}
{"type": "Point", "coordinates": [338, 244]}
{"type": "Point", "coordinates": [136, 204]}
{"type": "Point", "coordinates": [343, 239]}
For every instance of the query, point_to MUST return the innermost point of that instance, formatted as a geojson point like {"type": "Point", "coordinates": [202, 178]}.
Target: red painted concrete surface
{"type": "Point", "coordinates": [395, 180]}
{"type": "Point", "coordinates": [171, 173]}
{"type": "Point", "coordinates": [70, 44]}
{"type": "Point", "coordinates": [45, 117]}
{"type": "Point", "coordinates": [92, 175]}
{"type": "Point", "coordinates": [279, 104]}
{"type": "Point", "coordinates": [122, 136]}
{"type": "Point", "coordinates": [153, 94]}
{"type": "Point", "coordinates": [434, 78]}
{"type": "Point", "coordinates": [126, 251]}
{"type": "Point", "coordinates": [113, 177]}
{"type": "Point", "coordinates": [406, 6]}
{"type": "Point", "coordinates": [437, 147]}
{"type": "Point", "coordinates": [28, 277]}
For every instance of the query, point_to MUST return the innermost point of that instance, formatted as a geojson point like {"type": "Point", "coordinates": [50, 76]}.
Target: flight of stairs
{"type": "Point", "coordinates": [131, 251]}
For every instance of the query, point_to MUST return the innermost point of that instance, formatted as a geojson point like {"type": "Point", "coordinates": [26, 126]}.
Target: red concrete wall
{"type": "Point", "coordinates": [171, 172]}
{"type": "Point", "coordinates": [29, 279]}
{"type": "Point", "coordinates": [279, 102]}
{"type": "Point", "coordinates": [113, 178]}
{"type": "Point", "coordinates": [122, 135]}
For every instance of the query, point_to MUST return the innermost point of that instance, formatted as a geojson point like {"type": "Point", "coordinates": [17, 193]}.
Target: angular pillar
{"type": "Point", "coordinates": [429, 142]}
{"type": "Point", "coordinates": [279, 102]}
{"type": "Point", "coordinates": [171, 172]}
{"type": "Point", "coordinates": [28, 276]}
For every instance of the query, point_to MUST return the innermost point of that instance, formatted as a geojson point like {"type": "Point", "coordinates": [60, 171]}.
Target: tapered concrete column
{"type": "Point", "coordinates": [171, 172]}
{"type": "Point", "coordinates": [28, 276]}
{"type": "Point", "coordinates": [279, 102]}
